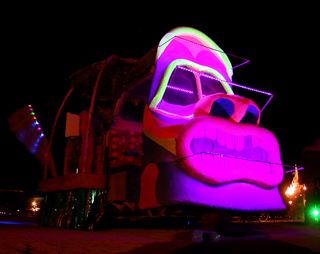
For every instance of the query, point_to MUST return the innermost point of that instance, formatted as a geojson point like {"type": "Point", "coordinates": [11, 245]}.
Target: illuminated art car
{"type": "Point", "coordinates": [198, 143]}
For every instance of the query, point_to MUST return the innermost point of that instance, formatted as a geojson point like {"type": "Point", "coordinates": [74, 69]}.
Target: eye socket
{"type": "Point", "coordinates": [210, 86]}
{"type": "Point", "coordinates": [222, 107]}
{"type": "Point", "coordinates": [251, 116]}
{"type": "Point", "coordinates": [181, 89]}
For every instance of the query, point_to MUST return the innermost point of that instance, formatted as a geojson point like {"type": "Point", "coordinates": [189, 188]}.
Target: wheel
{"type": "Point", "coordinates": [210, 221]}
{"type": "Point", "coordinates": [217, 221]}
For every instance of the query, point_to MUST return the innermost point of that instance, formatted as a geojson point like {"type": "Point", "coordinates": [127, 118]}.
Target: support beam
{"type": "Point", "coordinates": [92, 103]}
{"type": "Point", "coordinates": [53, 170]}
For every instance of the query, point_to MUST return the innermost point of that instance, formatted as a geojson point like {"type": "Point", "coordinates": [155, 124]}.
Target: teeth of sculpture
{"type": "Point", "coordinates": [221, 137]}
{"type": "Point", "coordinates": [230, 141]}
{"type": "Point", "coordinates": [211, 133]}
{"type": "Point", "coordinates": [207, 159]}
{"type": "Point", "coordinates": [218, 162]}
{"type": "Point", "coordinates": [239, 140]}
{"type": "Point", "coordinates": [223, 155]}
{"type": "Point", "coordinates": [237, 165]}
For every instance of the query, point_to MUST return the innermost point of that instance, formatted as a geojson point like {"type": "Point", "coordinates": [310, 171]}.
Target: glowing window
{"type": "Point", "coordinates": [182, 93]}
{"type": "Point", "coordinates": [181, 89]}
{"type": "Point", "coordinates": [210, 85]}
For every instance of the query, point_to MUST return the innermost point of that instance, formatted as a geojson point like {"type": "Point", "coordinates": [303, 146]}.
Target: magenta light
{"type": "Point", "coordinates": [217, 156]}
{"type": "Point", "coordinates": [216, 150]}
{"type": "Point", "coordinates": [24, 124]}
{"type": "Point", "coordinates": [292, 170]}
{"type": "Point", "coordinates": [180, 89]}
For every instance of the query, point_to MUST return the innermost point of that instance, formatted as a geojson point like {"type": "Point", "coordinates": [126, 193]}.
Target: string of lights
{"type": "Point", "coordinates": [231, 83]}
{"type": "Point", "coordinates": [36, 131]}
{"type": "Point", "coordinates": [242, 158]}
{"type": "Point", "coordinates": [180, 89]}
{"type": "Point", "coordinates": [220, 51]}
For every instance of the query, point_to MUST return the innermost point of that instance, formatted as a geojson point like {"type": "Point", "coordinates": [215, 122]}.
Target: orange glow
{"type": "Point", "coordinates": [291, 189]}
{"type": "Point", "coordinates": [294, 185]}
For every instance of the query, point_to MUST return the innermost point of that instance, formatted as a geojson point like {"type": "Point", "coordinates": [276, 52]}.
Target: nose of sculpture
{"type": "Point", "coordinates": [228, 106]}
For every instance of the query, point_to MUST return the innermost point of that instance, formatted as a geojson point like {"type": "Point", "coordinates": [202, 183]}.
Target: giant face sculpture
{"type": "Point", "coordinates": [202, 144]}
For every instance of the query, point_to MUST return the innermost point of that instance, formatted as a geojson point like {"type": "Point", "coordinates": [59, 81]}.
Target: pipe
{"type": "Point", "coordinates": [93, 98]}
{"type": "Point", "coordinates": [53, 170]}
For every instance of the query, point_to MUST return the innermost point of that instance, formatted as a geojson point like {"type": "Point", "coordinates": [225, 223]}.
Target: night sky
{"type": "Point", "coordinates": [44, 46]}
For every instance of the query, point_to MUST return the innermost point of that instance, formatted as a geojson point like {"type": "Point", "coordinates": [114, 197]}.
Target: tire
{"type": "Point", "coordinates": [217, 221]}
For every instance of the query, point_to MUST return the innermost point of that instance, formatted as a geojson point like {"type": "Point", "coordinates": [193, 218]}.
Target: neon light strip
{"type": "Point", "coordinates": [302, 168]}
{"type": "Point", "coordinates": [220, 51]}
{"type": "Point", "coordinates": [180, 89]}
{"type": "Point", "coordinates": [231, 83]}
{"type": "Point", "coordinates": [36, 123]}
{"type": "Point", "coordinates": [241, 158]}
{"type": "Point", "coordinates": [183, 90]}
{"type": "Point", "coordinates": [183, 62]}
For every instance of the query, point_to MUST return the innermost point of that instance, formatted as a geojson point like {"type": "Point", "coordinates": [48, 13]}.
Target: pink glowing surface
{"type": "Point", "coordinates": [217, 151]}
{"type": "Point", "coordinates": [223, 158]}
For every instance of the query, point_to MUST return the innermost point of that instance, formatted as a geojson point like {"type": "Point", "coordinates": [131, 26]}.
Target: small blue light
{"type": "Point", "coordinates": [17, 223]}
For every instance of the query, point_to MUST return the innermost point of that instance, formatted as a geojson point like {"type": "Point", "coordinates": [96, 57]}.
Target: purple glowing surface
{"type": "Point", "coordinates": [17, 223]}
{"type": "Point", "coordinates": [186, 189]}
{"type": "Point", "coordinates": [222, 158]}
{"type": "Point", "coordinates": [237, 196]}
{"type": "Point", "coordinates": [215, 150]}
{"type": "Point", "coordinates": [24, 124]}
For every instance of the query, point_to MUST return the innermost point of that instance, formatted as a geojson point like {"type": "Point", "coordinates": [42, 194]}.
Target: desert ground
{"type": "Point", "coordinates": [25, 235]}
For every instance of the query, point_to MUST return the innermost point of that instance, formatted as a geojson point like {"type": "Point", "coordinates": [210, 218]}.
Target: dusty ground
{"type": "Point", "coordinates": [30, 237]}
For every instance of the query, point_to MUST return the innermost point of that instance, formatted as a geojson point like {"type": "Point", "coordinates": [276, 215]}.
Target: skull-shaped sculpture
{"type": "Point", "coordinates": [202, 144]}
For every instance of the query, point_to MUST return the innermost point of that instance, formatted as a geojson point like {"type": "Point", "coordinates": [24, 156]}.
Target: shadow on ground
{"type": "Point", "coordinates": [250, 241]}
{"type": "Point", "coordinates": [241, 237]}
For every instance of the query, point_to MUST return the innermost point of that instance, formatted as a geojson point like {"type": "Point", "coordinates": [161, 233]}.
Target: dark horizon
{"type": "Point", "coordinates": [43, 54]}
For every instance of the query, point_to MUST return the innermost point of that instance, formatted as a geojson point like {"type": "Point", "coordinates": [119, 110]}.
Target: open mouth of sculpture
{"type": "Point", "coordinates": [217, 151]}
